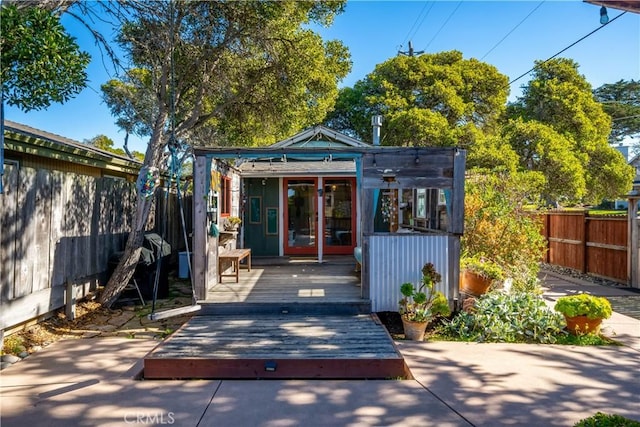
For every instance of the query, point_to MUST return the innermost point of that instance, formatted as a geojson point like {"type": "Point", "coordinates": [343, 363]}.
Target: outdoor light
{"type": "Point", "coordinates": [374, 161]}
{"type": "Point", "coordinates": [604, 18]}
{"type": "Point", "coordinates": [388, 175]}
{"type": "Point", "coordinates": [270, 366]}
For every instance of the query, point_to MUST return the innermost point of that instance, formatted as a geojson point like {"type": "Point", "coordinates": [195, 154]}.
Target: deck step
{"type": "Point", "coordinates": [277, 346]}
{"type": "Point", "coordinates": [295, 308]}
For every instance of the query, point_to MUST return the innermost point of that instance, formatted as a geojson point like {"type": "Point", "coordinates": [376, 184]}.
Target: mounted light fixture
{"type": "Point", "coordinates": [388, 176]}
{"type": "Point", "coordinates": [374, 161]}
{"type": "Point", "coordinates": [604, 18]}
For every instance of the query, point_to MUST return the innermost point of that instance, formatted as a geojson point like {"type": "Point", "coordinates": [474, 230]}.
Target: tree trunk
{"type": "Point", "coordinates": [127, 265]}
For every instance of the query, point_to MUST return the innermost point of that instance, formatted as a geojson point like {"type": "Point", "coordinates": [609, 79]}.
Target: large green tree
{"type": "Point", "coordinates": [436, 99]}
{"type": "Point", "coordinates": [41, 63]}
{"type": "Point", "coordinates": [572, 151]}
{"type": "Point", "coordinates": [621, 101]}
{"type": "Point", "coordinates": [219, 73]}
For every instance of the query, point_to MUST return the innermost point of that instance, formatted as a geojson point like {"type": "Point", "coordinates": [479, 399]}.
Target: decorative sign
{"type": "Point", "coordinates": [255, 210]}
{"type": "Point", "coordinates": [272, 221]}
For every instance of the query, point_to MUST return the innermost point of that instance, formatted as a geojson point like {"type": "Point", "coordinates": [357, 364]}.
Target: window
{"type": "Point", "coordinates": [225, 196]}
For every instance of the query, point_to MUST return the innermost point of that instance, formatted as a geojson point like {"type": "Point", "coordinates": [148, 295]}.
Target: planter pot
{"type": "Point", "coordinates": [414, 330]}
{"type": "Point", "coordinates": [580, 325]}
{"type": "Point", "coordinates": [472, 284]}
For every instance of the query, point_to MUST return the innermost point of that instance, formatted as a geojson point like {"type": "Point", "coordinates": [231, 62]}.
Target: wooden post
{"type": "Point", "coordinates": [585, 240]}
{"type": "Point", "coordinates": [633, 254]}
{"type": "Point", "coordinates": [70, 306]}
{"type": "Point", "coordinates": [200, 192]}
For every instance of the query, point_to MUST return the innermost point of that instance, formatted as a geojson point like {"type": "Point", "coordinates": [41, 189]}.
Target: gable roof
{"type": "Point", "coordinates": [25, 139]}
{"type": "Point", "coordinates": [321, 137]}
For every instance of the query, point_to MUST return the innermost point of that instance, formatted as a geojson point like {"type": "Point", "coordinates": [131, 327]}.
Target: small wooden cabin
{"type": "Point", "coordinates": [321, 193]}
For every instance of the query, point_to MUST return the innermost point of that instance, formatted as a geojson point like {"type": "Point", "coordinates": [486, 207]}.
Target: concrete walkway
{"type": "Point", "coordinates": [90, 382]}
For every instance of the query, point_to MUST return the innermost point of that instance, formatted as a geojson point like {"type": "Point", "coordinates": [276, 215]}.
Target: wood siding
{"type": "Point", "coordinates": [595, 245]}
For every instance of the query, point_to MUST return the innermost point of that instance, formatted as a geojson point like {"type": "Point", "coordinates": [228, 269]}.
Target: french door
{"type": "Point", "coordinates": [339, 215]}
{"type": "Point", "coordinates": [301, 216]}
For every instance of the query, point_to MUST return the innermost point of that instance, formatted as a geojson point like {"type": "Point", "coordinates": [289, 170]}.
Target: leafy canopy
{"type": "Point", "coordinates": [558, 128]}
{"type": "Point", "coordinates": [427, 100]}
{"type": "Point", "coordinates": [231, 73]}
{"type": "Point", "coordinates": [41, 63]}
{"type": "Point", "coordinates": [621, 101]}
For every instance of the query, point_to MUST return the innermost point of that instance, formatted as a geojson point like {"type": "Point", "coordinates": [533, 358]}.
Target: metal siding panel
{"type": "Point", "coordinates": [395, 259]}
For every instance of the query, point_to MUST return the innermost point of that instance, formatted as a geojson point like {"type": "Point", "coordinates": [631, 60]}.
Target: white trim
{"type": "Point", "coordinates": [310, 133]}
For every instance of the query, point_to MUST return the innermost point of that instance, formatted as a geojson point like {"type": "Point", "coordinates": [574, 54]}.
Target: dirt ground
{"type": "Point", "coordinates": [127, 318]}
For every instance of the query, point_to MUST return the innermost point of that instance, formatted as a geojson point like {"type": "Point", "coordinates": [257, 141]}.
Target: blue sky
{"type": "Point", "coordinates": [375, 31]}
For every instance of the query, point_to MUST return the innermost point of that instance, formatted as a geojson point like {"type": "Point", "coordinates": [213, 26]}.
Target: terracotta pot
{"type": "Point", "coordinates": [580, 325]}
{"type": "Point", "coordinates": [414, 330]}
{"type": "Point", "coordinates": [472, 284]}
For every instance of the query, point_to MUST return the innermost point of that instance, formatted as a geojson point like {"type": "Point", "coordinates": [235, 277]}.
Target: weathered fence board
{"type": "Point", "coordinates": [58, 227]}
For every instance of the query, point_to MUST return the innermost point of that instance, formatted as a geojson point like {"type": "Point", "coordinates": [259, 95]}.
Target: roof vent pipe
{"type": "Point", "coordinates": [376, 122]}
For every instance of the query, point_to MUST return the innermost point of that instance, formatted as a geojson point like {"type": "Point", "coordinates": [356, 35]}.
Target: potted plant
{"type": "Point", "coordinates": [232, 223]}
{"type": "Point", "coordinates": [478, 273]}
{"type": "Point", "coordinates": [420, 305]}
{"type": "Point", "coordinates": [583, 312]}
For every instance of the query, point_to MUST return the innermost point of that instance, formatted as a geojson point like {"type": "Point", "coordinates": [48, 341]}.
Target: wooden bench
{"type": "Point", "coordinates": [235, 256]}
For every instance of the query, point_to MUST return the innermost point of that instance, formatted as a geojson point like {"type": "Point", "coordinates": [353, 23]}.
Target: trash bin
{"type": "Point", "coordinates": [183, 265]}
{"type": "Point", "coordinates": [145, 273]}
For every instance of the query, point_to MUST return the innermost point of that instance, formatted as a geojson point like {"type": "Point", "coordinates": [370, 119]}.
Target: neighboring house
{"type": "Point", "coordinates": [66, 208]}
{"type": "Point", "coordinates": [321, 193]}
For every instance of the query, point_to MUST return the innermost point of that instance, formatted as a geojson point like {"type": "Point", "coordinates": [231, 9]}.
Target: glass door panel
{"type": "Point", "coordinates": [301, 216]}
{"type": "Point", "coordinates": [339, 215]}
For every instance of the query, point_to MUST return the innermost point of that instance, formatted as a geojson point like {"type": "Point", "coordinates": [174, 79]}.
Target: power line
{"type": "Point", "coordinates": [443, 25]}
{"type": "Point", "coordinates": [512, 30]}
{"type": "Point", "coordinates": [566, 48]}
{"type": "Point", "coordinates": [418, 22]}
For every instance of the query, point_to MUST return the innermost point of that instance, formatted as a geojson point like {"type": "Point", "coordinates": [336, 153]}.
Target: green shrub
{"type": "Point", "coordinates": [593, 307]}
{"type": "Point", "coordinates": [507, 317]}
{"type": "Point", "coordinates": [607, 420]}
{"type": "Point", "coordinates": [499, 228]}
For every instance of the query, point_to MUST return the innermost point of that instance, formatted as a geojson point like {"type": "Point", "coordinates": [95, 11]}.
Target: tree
{"type": "Point", "coordinates": [41, 63]}
{"type": "Point", "coordinates": [105, 143]}
{"type": "Point", "coordinates": [431, 99]}
{"type": "Point", "coordinates": [621, 101]}
{"type": "Point", "coordinates": [575, 145]}
{"type": "Point", "coordinates": [220, 73]}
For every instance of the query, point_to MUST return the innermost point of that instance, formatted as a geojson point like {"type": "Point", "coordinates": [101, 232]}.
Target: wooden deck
{"type": "Point", "coordinates": [277, 346]}
{"type": "Point", "coordinates": [277, 280]}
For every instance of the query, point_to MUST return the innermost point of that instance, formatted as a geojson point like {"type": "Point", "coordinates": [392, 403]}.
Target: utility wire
{"type": "Point", "coordinates": [417, 23]}
{"type": "Point", "coordinates": [566, 48]}
{"type": "Point", "coordinates": [443, 25]}
{"type": "Point", "coordinates": [512, 30]}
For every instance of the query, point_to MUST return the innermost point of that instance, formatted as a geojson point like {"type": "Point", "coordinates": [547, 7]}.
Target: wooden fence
{"type": "Point", "coordinates": [596, 245]}
{"type": "Point", "coordinates": [58, 227]}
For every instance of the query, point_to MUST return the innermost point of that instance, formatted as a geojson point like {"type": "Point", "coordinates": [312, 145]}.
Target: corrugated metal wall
{"type": "Point", "coordinates": [398, 258]}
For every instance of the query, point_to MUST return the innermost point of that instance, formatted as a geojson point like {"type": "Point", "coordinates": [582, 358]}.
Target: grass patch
{"type": "Point", "coordinates": [585, 339]}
